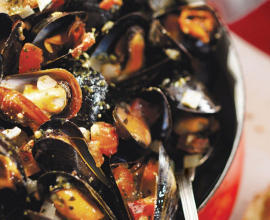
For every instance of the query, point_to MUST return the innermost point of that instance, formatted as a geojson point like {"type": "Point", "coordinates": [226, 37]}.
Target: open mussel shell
{"type": "Point", "coordinates": [6, 26]}
{"type": "Point", "coordinates": [93, 85]}
{"type": "Point", "coordinates": [18, 82]}
{"type": "Point", "coordinates": [193, 44]}
{"type": "Point", "coordinates": [160, 130]}
{"type": "Point", "coordinates": [167, 193]}
{"type": "Point", "coordinates": [154, 56]}
{"type": "Point", "coordinates": [188, 94]}
{"type": "Point", "coordinates": [51, 182]}
{"type": "Point", "coordinates": [12, 181]}
{"type": "Point", "coordinates": [163, 187]}
{"type": "Point", "coordinates": [72, 156]}
{"type": "Point", "coordinates": [55, 24]}
{"type": "Point", "coordinates": [60, 125]}
{"type": "Point", "coordinates": [11, 43]}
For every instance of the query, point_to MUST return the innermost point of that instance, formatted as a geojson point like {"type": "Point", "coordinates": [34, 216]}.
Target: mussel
{"type": "Point", "coordinates": [12, 181]}
{"type": "Point", "coordinates": [148, 186]}
{"type": "Point", "coordinates": [67, 151]}
{"type": "Point", "coordinates": [98, 16]}
{"type": "Point", "coordinates": [146, 118]}
{"type": "Point", "coordinates": [71, 198]}
{"type": "Point", "coordinates": [120, 55]}
{"type": "Point", "coordinates": [62, 33]}
{"type": "Point", "coordinates": [189, 94]}
{"type": "Point", "coordinates": [47, 93]}
{"type": "Point", "coordinates": [195, 27]}
{"type": "Point", "coordinates": [93, 85]}
{"type": "Point", "coordinates": [11, 43]}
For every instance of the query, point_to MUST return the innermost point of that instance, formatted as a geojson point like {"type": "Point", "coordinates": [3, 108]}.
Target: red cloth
{"type": "Point", "coordinates": [255, 27]}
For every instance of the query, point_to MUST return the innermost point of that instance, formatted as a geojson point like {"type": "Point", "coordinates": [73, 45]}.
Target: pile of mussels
{"type": "Point", "coordinates": [95, 94]}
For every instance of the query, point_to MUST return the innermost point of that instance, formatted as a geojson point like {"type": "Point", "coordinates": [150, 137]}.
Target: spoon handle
{"type": "Point", "coordinates": [186, 194]}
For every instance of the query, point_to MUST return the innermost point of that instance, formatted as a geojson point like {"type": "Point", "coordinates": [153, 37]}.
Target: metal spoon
{"type": "Point", "coordinates": [184, 180]}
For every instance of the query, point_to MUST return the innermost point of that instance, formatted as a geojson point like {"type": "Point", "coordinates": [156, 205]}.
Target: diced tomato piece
{"type": "Point", "coordinates": [143, 208]}
{"type": "Point", "coordinates": [30, 58]}
{"type": "Point", "coordinates": [29, 164]}
{"type": "Point", "coordinates": [107, 4]}
{"type": "Point", "coordinates": [106, 135]}
{"type": "Point", "coordinates": [88, 40]}
{"type": "Point", "coordinates": [95, 152]}
{"type": "Point", "coordinates": [198, 23]}
{"type": "Point", "coordinates": [57, 3]}
{"type": "Point", "coordinates": [124, 180]}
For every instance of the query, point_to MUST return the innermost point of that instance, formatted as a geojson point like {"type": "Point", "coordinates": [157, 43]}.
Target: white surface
{"type": "Point", "coordinates": [232, 10]}
{"type": "Point", "coordinates": [256, 71]}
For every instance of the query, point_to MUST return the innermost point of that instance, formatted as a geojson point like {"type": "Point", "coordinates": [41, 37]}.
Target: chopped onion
{"type": "Point", "coordinates": [42, 4]}
{"type": "Point", "coordinates": [191, 98]}
{"type": "Point", "coordinates": [45, 82]}
{"type": "Point", "coordinates": [26, 11]}
{"type": "Point", "coordinates": [191, 161]}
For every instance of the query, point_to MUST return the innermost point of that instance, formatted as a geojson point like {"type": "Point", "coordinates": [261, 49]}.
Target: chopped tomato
{"type": "Point", "coordinates": [74, 38]}
{"type": "Point", "coordinates": [56, 4]}
{"type": "Point", "coordinates": [107, 137]}
{"type": "Point", "coordinates": [88, 40]}
{"type": "Point", "coordinates": [29, 164]}
{"type": "Point", "coordinates": [171, 25]}
{"type": "Point", "coordinates": [143, 208]}
{"type": "Point", "coordinates": [30, 58]}
{"type": "Point", "coordinates": [124, 180]}
{"type": "Point", "coordinates": [198, 23]}
{"type": "Point", "coordinates": [149, 179]}
{"type": "Point", "coordinates": [95, 152]}
{"type": "Point", "coordinates": [108, 4]}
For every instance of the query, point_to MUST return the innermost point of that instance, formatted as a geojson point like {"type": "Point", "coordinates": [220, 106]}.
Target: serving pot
{"type": "Point", "coordinates": [217, 180]}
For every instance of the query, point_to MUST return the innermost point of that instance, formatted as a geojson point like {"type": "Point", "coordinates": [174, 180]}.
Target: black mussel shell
{"type": "Point", "coordinates": [53, 154]}
{"type": "Point", "coordinates": [59, 125]}
{"type": "Point", "coordinates": [97, 17]}
{"type": "Point", "coordinates": [155, 57]}
{"type": "Point", "coordinates": [166, 188]}
{"type": "Point", "coordinates": [195, 46]}
{"type": "Point", "coordinates": [57, 23]}
{"type": "Point", "coordinates": [83, 162]}
{"type": "Point", "coordinates": [183, 89]}
{"type": "Point", "coordinates": [12, 201]}
{"type": "Point", "coordinates": [94, 89]}
{"type": "Point", "coordinates": [6, 26]}
{"type": "Point", "coordinates": [11, 50]}
{"type": "Point", "coordinates": [161, 128]}
{"type": "Point", "coordinates": [167, 192]}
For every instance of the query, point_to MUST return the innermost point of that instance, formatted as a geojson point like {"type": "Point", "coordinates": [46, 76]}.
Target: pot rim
{"type": "Point", "coordinates": [239, 100]}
